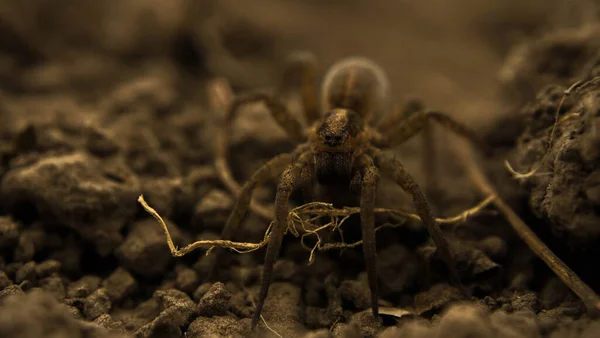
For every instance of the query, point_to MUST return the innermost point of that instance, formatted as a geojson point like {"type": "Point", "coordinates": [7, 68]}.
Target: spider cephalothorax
{"type": "Point", "coordinates": [339, 148]}
{"type": "Point", "coordinates": [336, 140]}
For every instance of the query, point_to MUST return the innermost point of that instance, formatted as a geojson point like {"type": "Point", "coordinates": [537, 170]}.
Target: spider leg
{"type": "Point", "coordinates": [370, 178]}
{"type": "Point", "coordinates": [283, 117]}
{"type": "Point", "coordinates": [266, 172]}
{"type": "Point", "coordinates": [417, 121]}
{"type": "Point", "coordinates": [307, 184]}
{"type": "Point", "coordinates": [393, 168]}
{"type": "Point", "coordinates": [288, 181]}
{"type": "Point", "coordinates": [300, 74]}
{"type": "Point", "coordinates": [399, 114]}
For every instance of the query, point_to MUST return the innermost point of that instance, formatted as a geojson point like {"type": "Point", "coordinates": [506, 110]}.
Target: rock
{"type": "Point", "coordinates": [357, 292]}
{"type": "Point", "coordinates": [47, 268]}
{"type": "Point", "coordinates": [4, 280]}
{"type": "Point", "coordinates": [26, 272]}
{"type": "Point", "coordinates": [9, 233]}
{"type": "Point", "coordinates": [100, 143]}
{"type": "Point", "coordinates": [187, 279]}
{"type": "Point", "coordinates": [30, 242]}
{"type": "Point", "coordinates": [38, 314]}
{"type": "Point", "coordinates": [411, 329]}
{"type": "Point", "coordinates": [283, 309]}
{"type": "Point", "coordinates": [142, 314]}
{"type": "Point", "coordinates": [145, 250]}
{"type": "Point", "coordinates": [553, 293]}
{"type": "Point", "coordinates": [493, 246]}
{"type": "Point", "coordinates": [464, 320]}
{"type": "Point", "coordinates": [364, 323]}
{"type": "Point", "coordinates": [218, 326]}
{"type": "Point", "coordinates": [10, 291]}
{"type": "Point", "coordinates": [517, 324]}
{"type": "Point", "coordinates": [83, 287]}
{"type": "Point", "coordinates": [119, 285]}
{"type": "Point", "coordinates": [162, 193]}
{"type": "Point", "coordinates": [212, 211]}
{"type": "Point", "coordinates": [397, 268]}
{"type": "Point", "coordinates": [436, 298]}
{"type": "Point", "coordinates": [94, 198]}
{"type": "Point", "coordinates": [564, 197]}
{"type": "Point", "coordinates": [53, 284]}
{"type": "Point", "coordinates": [285, 270]}
{"type": "Point", "coordinates": [316, 317]}
{"type": "Point", "coordinates": [215, 301]}
{"type": "Point", "coordinates": [107, 322]}
{"type": "Point", "coordinates": [177, 313]}
{"type": "Point", "coordinates": [321, 333]}
{"type": "Point", "coordinates": [96, 304]}
{"type": "Point", "coordinates": [201, 290]}
{"type": "Point", "coordinates": [526, 301]}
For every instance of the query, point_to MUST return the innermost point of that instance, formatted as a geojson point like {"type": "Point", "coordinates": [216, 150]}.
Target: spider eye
{"type": "Point", "coordinates": [333, 140]}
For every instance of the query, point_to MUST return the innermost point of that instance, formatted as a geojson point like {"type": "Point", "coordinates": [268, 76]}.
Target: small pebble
{"type": "Point", "coordinates": [119, 284]}
{"type": "Point", "coordinates": [4, 280]}
{"type": "Point", "coordinates": [201, 290]}
{"type": "Point", "coordinates": [526, 301]}
{"type": "Point", "coordinates": [9, 233]}
{"type": "Point", "coordinates": [83, 287]}
{"type": "Point", "coordinates": [145, 250]}
{"type": "Point", "coordinates": [47, 268]}
{"type": "Point", "coordinates": [218, 326]}
{"type": "Point", "coordinates": [107, 322]}
{"type": "Point", "coordinates": [365, 323]}
{"type": "Point", "coordinates": [215, 301]}
{"type": "Point", "coordinates": [177, 312]}
{"type": "Point", "coordinates": [11, 290]}
{"type": "Point", "coordinates": [26, 272]}
{"type": "Point", "coordinates": [54, 285]}
{"type": "Point", "coordinates": [187, 280]}
{"type": "Point", "coordinates": [96, 304]}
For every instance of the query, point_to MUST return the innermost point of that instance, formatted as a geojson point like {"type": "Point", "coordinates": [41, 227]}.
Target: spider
{"type": "Point", "coordinates": [342, 147]}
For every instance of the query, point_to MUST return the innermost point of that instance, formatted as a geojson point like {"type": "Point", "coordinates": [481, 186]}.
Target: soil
{"type": "Point", "coordinates": [103, 101]}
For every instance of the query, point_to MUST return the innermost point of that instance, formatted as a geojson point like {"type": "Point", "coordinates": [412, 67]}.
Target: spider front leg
{"type": "Point", "coordinates": [402, 116]}
{"type": "Point", "coordinates": [265, 173]}
{"type": "Point", "coordinates": [281, 115]}
{"type": "Point", "coordinates": [416, 122]}
{"type": "Point", "coordinates": [393, 168]}
{"type": "Point", "coordinates": [300, 74]}
{"type": "Point", "coordinates": [289, 179]}
{"type": "Point", "coordinates": [370, 178]}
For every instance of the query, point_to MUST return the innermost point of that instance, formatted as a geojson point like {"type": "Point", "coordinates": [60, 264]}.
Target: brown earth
{"type": "Point", "coordinates": [102, 101]}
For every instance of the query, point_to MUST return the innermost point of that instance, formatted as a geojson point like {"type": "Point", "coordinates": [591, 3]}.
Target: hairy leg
{"type": "Point", "coordinates": [370, 178]}
{"type": "Point", "coordinates": [400, 114]}
{"type": "Point", "coordinates": [267, 172]}
{"type": "Point", "coordinates": [394, 169]}
{"type": "Point", "coordinates": [288, 181]}
{"type": "Point", "coordinates": [300, 74]}
{"type": "Point", "coordinates": [418, 121]}
{"type": "Point", "coordinates": [283, 118]}
{"type": "Point", "coordinates": [307, 184]}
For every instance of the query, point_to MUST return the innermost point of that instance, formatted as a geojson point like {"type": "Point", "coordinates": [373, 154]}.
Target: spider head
{"type": "Point", "coordinates": [336, 139]}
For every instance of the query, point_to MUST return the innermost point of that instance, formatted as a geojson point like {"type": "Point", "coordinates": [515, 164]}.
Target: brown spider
{"type": "Point", "coordinates": [340, 148]}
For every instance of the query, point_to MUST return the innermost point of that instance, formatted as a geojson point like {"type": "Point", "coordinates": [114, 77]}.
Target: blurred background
{"type": "Point", "coordinates": [114, 81]}
{"type": "Point", "coordinates": [447, 53]}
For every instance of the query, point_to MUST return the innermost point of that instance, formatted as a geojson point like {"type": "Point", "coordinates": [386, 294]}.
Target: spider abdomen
{"type": "Point", "coordinates": [356, 84]}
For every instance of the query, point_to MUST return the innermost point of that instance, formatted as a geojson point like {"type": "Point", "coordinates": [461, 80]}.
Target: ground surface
{"type": "Point", "coordinates": [102, 102]}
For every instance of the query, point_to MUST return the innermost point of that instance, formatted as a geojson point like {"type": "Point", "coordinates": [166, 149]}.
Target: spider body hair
{"type": "Point", "coordinates": [341, 150]}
